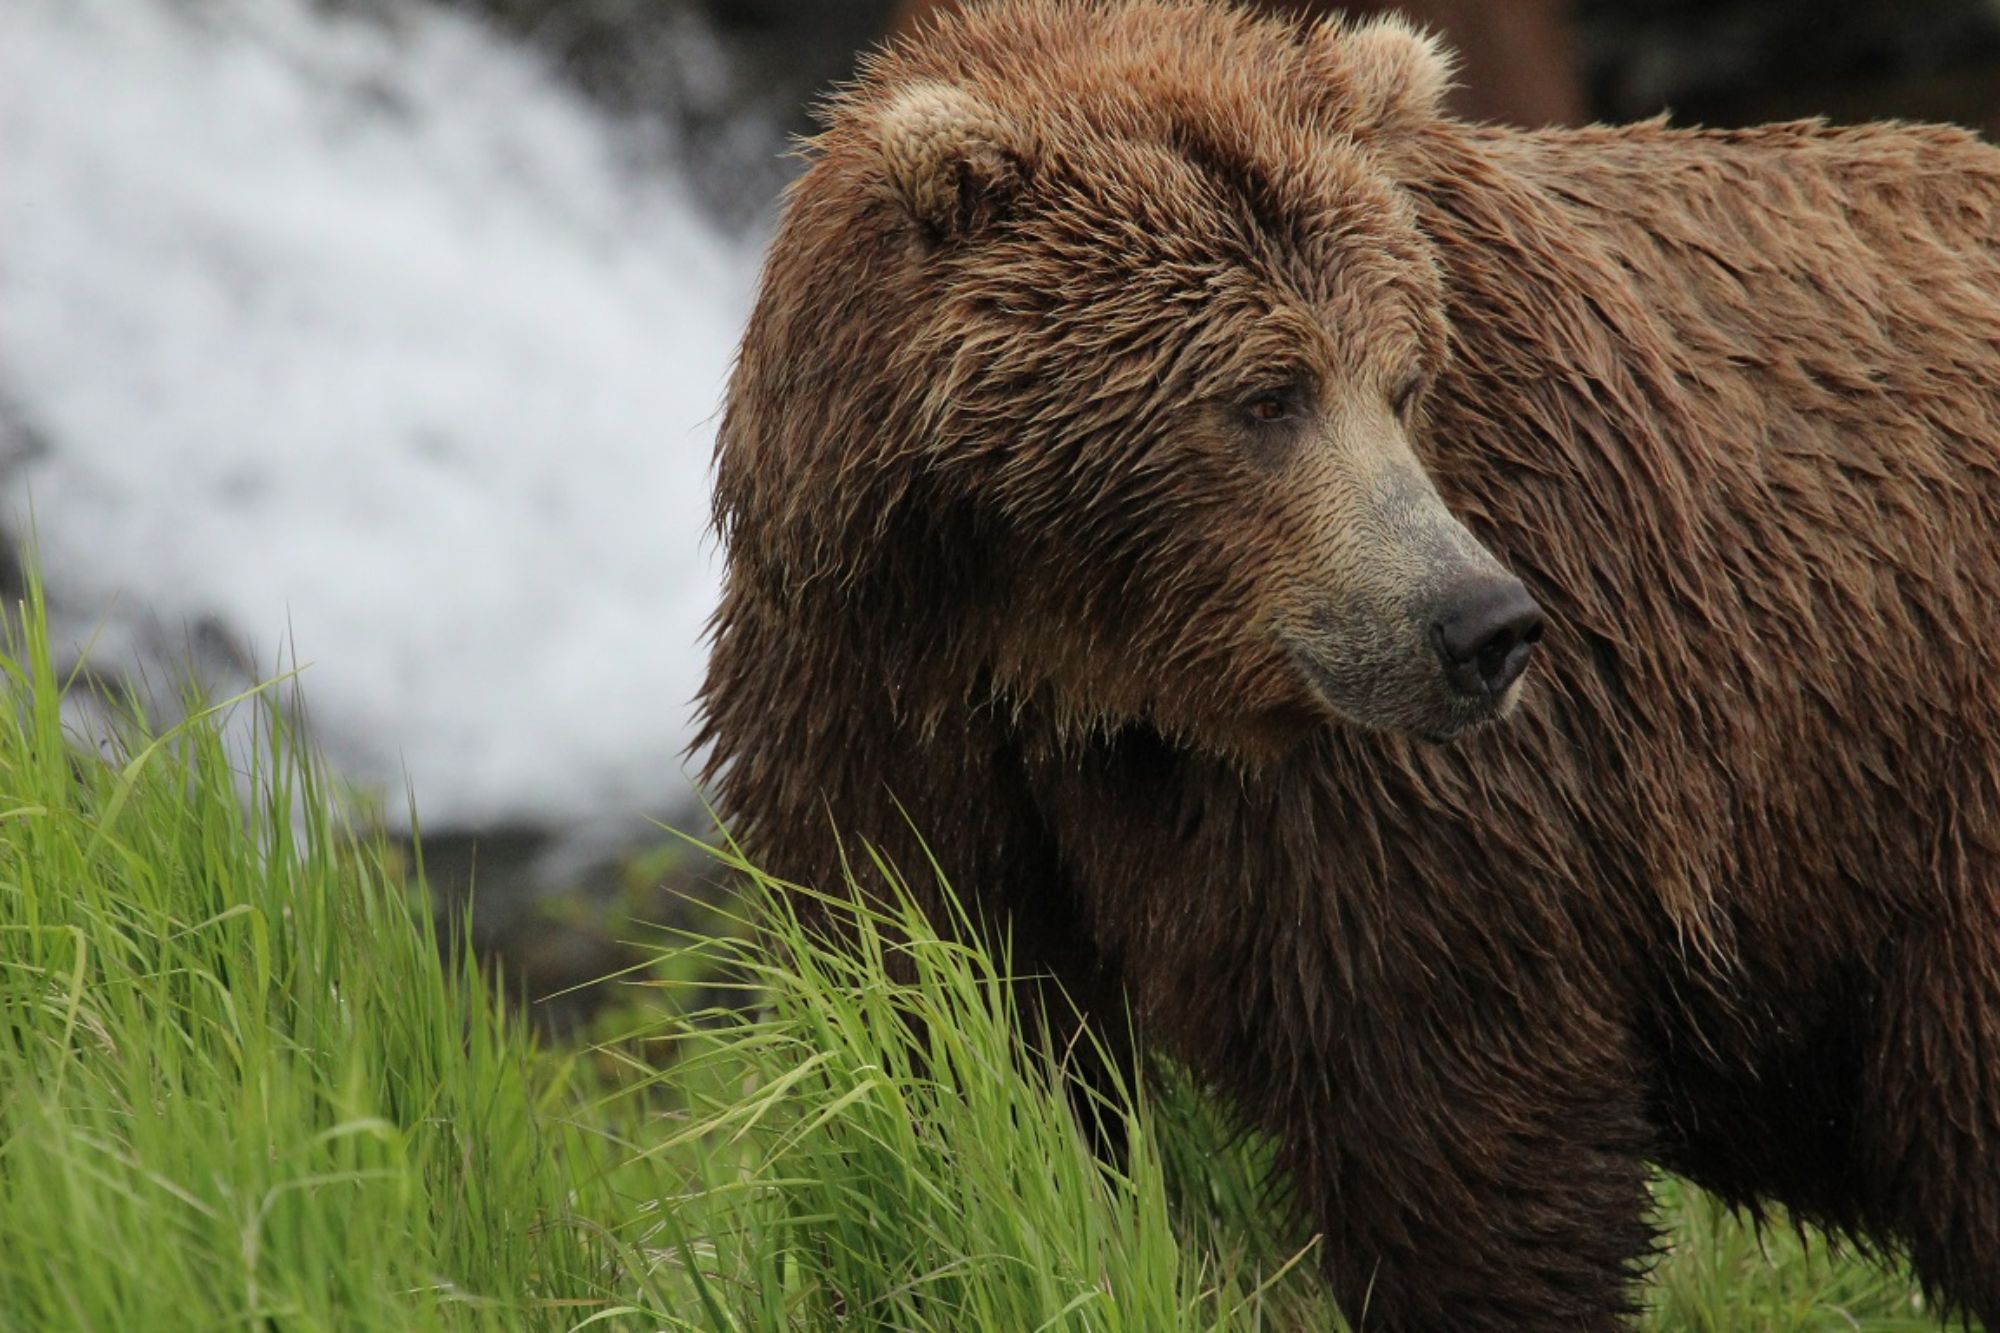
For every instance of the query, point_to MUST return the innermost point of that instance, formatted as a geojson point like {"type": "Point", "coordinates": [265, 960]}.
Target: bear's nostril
{"type": "Point", "coordinates": [1486, 637]}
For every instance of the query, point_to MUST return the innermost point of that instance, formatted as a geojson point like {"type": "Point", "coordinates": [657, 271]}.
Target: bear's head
{"type": "Point", "coordinates": [1086, 369]}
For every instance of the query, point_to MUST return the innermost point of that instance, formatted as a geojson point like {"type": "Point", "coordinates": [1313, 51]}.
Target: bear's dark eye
{"type": "Point", "coordinates": [1276, 404]}
{"type": "Point", "coordinates": [1267, 407]}
{"type": "Point", "coordinates": [1406, 393]}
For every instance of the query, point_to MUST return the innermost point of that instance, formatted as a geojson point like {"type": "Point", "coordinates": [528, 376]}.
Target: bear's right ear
{"type": "Point", "coordinates": [1384, 74]}
{"type": "Point", "coordinates": [952, 162]}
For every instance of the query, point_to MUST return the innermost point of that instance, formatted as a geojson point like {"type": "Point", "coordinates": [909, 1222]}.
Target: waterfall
{"type": "Point", "coordinates": [371, 337]}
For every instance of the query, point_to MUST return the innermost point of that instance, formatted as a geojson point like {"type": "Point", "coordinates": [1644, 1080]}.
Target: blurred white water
{"type": "Point", "coordinates": [370, 336]}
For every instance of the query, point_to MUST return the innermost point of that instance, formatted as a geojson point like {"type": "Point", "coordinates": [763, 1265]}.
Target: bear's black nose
{"type": "Point", "coordinates": [1486, 635]}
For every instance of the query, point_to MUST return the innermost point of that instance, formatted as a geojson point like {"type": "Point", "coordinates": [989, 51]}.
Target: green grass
{"type": "Point", "coordinates": [239, 1088]}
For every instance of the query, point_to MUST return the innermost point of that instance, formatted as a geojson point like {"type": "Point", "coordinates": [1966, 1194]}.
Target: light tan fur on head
{"type": "Point", "coordinates": [950, 159]}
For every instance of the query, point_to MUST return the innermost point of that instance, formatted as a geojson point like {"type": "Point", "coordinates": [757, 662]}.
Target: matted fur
{"type": "Point", "coordinates": [1721, 893]}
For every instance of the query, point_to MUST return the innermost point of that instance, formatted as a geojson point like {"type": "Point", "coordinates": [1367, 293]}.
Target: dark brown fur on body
{"type": "Point", "coordinates": [1720, 892]}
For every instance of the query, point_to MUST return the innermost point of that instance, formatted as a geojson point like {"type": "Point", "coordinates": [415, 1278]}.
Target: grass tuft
{"type": "Point", "coordinates": [891, 1154]}
{"type": "Point", "coordinates": [238, 1084]}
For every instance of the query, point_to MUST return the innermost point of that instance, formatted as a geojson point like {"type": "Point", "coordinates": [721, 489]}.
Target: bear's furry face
{"type": "Point", "coordinates": [1164, 357]}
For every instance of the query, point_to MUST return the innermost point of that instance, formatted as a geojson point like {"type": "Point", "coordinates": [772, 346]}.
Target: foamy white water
{"type": "Point", "coordinates": [371, 337]}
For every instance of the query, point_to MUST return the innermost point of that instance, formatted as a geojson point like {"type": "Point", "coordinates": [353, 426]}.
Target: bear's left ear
{"type": "Point", "coordinates": [1383, 75]}
{"type": "Point", "coordinates": [952, 161]}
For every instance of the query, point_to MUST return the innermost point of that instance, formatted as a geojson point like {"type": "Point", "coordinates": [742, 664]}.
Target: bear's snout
{"type": "Point", "coordinates": [1485, 635]}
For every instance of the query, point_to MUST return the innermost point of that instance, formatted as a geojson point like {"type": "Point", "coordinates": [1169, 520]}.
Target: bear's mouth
{"type": "Point", "coordinates": [1449, 736]}
{"type": "Point", "coordinates": [1376, 696]}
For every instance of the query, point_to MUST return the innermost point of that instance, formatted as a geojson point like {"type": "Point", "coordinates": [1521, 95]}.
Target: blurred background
{"type": "Point", "coordinates": [385, 338]}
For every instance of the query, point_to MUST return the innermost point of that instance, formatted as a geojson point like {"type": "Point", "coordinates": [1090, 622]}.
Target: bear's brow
{"type": "Point", "coordinates": [1236, 173]}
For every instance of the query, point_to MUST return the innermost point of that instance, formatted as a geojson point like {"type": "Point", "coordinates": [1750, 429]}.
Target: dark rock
{"type": "Point", "coordinates": [20, 445]}
{"type": "Point", "coordinates": [1732, 62]}
{"type": "Point", "coordinates": [554, 919]}
{"type": "Point", "coordinates": [725, 84]}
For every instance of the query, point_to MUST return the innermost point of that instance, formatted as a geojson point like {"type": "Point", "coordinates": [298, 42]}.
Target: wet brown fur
{"type": "Point", "coordinates": [1723, 893]}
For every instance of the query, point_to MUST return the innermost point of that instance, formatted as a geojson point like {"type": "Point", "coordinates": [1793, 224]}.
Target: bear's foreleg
{"type": "Point", "coordinates": [1478, 1179]}
{"type": "Point", "coordinates": [1930, 1111]}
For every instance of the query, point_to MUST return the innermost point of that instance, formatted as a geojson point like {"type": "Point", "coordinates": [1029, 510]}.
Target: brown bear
{"type": "Point", "coordinates": [1159, 443]}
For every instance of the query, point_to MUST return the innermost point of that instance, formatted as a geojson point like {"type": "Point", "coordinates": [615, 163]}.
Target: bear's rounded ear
{"type": "Point", "coordinates": [1386, 74]}
{"type": "Point", "coordinates": [952, 161]}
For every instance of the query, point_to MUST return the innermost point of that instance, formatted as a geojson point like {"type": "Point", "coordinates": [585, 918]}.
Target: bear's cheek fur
{"type": "Point", "coordinates": [1178, 633]}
